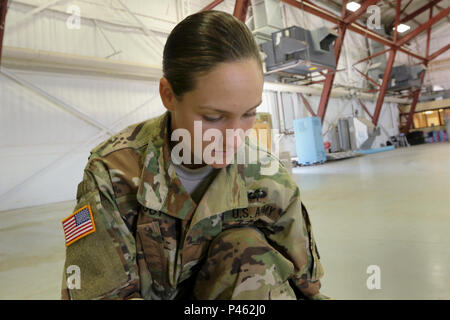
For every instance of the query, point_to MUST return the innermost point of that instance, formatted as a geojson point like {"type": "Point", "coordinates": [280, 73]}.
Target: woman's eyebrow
{"type": "Point", "coordinates": [227, 112]}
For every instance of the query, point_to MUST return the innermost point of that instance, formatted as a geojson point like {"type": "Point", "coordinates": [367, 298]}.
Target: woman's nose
{"type": "Point", "coordinates": [235, 135]}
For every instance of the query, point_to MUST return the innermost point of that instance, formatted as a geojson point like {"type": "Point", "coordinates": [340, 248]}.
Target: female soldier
{"type": "Point", "coordinates": [154, 228]}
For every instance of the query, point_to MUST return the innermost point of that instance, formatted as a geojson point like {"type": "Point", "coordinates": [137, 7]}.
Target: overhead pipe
{"type": "Point", "coordinates": [22, 58]}
{"type": "Point", "coordinates": [336, 93]}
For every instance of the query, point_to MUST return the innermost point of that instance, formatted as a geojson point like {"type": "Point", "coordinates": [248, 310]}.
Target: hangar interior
{"type": "Point", "coordinates": [375, 178]}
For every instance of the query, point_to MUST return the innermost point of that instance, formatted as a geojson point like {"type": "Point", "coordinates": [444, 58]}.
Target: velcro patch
{"type": "Point", "coordinates": [78, 225]}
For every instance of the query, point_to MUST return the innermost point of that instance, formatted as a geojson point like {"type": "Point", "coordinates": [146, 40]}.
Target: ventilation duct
{"type": "Point", "coordinates": [267, 19]}
{"type": "Point", "coordinates": [405, 77]}
{"type": "Point", "coordinates": [299, 51]}
{"type": "Point", "coordinates": [436, 95]}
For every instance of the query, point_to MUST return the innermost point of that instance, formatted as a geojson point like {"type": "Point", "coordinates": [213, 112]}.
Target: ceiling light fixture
{"type": "Point", "coordinates": [353, 6]}
{"type": "Point", "coordinates": [403, 27]}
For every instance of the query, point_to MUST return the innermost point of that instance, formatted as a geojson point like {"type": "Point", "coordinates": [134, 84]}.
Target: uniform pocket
{"type": "Point", "coordinates": [152, 243]}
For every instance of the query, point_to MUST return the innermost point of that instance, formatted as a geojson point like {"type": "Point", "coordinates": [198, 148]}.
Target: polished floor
{"type": "Point", "coordinates": [388, 212]}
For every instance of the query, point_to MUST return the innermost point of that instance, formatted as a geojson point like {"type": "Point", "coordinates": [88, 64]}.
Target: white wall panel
{"type": "Point", "coordinates": [35, 131]}
{"type": "Point", "coordinates": [48, 31]}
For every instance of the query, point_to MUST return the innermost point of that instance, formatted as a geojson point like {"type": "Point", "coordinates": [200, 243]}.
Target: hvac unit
{"type": "Point", "coordinates": [299, 51]}
{"type": "Point", "coordinates": [309, 141]}
{"type": "Point", "coordinates": [405, 77]}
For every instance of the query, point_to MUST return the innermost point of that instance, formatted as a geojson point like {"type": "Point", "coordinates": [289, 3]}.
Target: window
{"type": "Point", "coordinates": [429, 118]}
{"type": "Point", "coordinates": [432, 118]}
{"type": "Point", "coordinates": [420, 120]}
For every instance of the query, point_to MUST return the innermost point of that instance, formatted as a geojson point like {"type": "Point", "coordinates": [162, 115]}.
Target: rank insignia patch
{"type": "Point", "coordinates": [78, 225]}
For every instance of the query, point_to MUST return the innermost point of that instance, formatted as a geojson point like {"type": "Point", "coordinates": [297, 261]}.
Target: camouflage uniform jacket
{"type": "Point", "coordinates": [150, 235]}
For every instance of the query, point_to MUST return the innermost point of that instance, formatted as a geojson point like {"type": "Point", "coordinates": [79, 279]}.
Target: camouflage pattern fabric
{"type": "Point", "coordinates": [152, 241]}
{"type": "Point", "coordinates": [242, 265]}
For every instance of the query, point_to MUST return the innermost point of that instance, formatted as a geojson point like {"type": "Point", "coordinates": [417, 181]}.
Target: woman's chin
{"type": "Point", "coordinates": [218, 166]}
{"type": "Point", "coordinates": [222, 161]}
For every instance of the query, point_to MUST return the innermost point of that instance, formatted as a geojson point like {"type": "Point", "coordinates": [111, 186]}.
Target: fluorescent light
{"type": "Point", "coordinates": [428, 112]}
{"type": "Point", "coordinates": [353, 6]}
{"type": "Point", "coordinates": [403, 27]}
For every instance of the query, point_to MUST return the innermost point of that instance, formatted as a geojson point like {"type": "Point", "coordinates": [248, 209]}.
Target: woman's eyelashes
{"type": "Point", "coordinates": [212, 119]}
{"type": "Point", "coordinates": [250, 114]}
{"type": "Point", "coordinates": [218, 118]}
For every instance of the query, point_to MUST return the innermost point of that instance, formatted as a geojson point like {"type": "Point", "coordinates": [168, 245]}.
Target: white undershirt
{"type": "Point", "coordinates": [191, 178]}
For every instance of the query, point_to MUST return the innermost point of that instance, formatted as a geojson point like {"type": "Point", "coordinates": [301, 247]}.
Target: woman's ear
{"type": "Point", "coordinates": [167, 95]}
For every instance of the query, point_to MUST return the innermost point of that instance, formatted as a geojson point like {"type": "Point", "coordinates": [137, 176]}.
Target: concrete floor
{"type": "Point", "coordinates": [390, 209]}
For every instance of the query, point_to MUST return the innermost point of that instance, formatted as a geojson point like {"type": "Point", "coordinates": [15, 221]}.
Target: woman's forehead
{"type": "Point", "coordinates": [235, 84]}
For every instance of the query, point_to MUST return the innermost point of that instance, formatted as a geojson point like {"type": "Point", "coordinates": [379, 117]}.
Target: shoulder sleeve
{"type": "Point", "coordinates": [105, 259]}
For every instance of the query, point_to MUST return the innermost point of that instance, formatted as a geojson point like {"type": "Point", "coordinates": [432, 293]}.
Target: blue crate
{"type": "Point", "coordinates": [309, 141]}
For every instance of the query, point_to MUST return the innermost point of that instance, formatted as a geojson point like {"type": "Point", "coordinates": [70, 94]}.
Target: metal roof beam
{"type": "Point", "coordinates": [423, 27]}
{"type": "Point", "coordinates": [240, 9]}
{"type": "Point", "coordinates": [358, 13]}
{"type": "Point", "coordinates": [212, 5]}
{"type": "Point", "coordinates": [419, 11]}
{"type": "Point", "coordinates": [439, 52]}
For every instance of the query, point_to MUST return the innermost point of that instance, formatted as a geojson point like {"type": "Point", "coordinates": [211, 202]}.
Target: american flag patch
{"type": "Point", "coordinates": [78, 225]}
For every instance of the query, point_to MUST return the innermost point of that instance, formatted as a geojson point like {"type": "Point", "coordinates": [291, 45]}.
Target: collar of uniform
{"type": "Point", "coordinates": [227, 191]}
{"type": "Point", "coordinates": [161, 189]}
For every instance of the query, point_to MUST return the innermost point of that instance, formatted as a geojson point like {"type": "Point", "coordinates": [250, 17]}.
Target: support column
{"type": "Point", "coordinates": [387, 72]}
{"type": "Point", "coordinates": [240, 9]}
{"type": "Point", "coordinates": [365, 108]}
{"type": "Point", "coordinates": [412, 109]}
{"type": "Point", "coordinates": [416, 95]}
{"type": "Point", "coordinates": [3, 10]}
{"type": "Point", "coordinates": [307, 105]}
{"type": "Point", "coordinates": [384, 86]}
{"type": "Point", "coordinates": [212, 5]}
{"type": "Point", "coordinates": [329, 79]}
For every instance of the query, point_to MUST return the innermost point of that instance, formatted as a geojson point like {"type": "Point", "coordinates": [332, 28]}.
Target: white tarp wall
{"type": "Point", "coordinates": [50, 121]}
{"type": "Point", "coordinates": [44, 147]}
{"type": "Point", "coordinates": [437, 72]}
